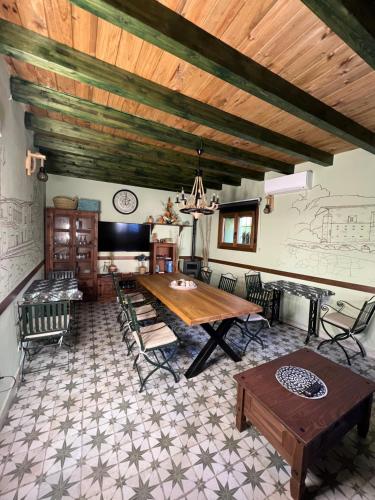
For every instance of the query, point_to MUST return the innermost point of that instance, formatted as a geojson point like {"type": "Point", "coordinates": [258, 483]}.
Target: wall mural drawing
{"type": "Point", "coordinates": [21, 231]}
{"type": "Point", "coordinates": [333, 236]}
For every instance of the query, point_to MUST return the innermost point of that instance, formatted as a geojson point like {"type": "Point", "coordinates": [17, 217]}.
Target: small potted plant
{"type": "Point", "coordinates": [141, 259]}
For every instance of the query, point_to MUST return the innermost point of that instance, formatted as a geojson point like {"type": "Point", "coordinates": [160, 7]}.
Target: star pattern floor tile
{"type": "Point", "coordinates": [79, 428]}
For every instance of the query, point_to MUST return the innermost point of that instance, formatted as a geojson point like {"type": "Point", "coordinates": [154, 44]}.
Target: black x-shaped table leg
{"type": "Point", "coordinates": [216, 339]}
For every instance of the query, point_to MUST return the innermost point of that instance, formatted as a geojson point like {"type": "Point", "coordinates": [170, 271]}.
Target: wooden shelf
{"type": "Point", "coordinates": [158, 254]}
{"type": "Point", "coordinates": [153, 224]}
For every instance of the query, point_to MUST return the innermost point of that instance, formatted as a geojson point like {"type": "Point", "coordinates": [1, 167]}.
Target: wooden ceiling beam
{"type": "Point", "coordinates": [161, 26]}
{"type": "Point", "coordinates": [352, 20]}
{"type": "Point", "coordinates": [52, 100]}
{"type": "Point", "coordinates": [103, 176]}
{"type": "Point", "coordinates": [120, 177]}
{"type": "Point", "coordinates": [61, 129]}
{"type": "Point", "coordinates": [140, 168]}
{"type": "Point", "coordinates": [43, 52]}
{"type": "Point", "coordinates": [91, 150]}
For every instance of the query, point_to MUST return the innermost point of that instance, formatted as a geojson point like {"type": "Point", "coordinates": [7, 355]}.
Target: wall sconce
{"type": "Point", "coordinates": [31, 165]}
{"type": "Point", "coordinates": [269, 204]}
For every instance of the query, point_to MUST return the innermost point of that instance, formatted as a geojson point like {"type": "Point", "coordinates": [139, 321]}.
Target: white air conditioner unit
{"type": "Point", "coordinates": [289, 183]}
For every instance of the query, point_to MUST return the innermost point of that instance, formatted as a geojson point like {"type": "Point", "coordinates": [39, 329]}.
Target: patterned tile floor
{"type": "Point", "coordinates": [86, 432]}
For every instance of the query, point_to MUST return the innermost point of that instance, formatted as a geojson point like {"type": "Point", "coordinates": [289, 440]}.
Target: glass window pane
{"type": "Point", "coordinates": [244, 232]}
{"type": "Point", "coordinates": [228, 230]}
{"type": "Point", "coordinates": [62, 222]}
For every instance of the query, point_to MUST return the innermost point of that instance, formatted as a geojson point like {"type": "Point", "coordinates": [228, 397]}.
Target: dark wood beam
{"type": "Point", "coordinates": [116, 177]}
{"type": "Point", "coordinates": [60, 145]}
{"type": "Point", "coordinates": [33, 48]}
{"type": "Point", "coordinates": [129, 148]}
{"type": "Point", "coordinates": [139, 168]}
{"type": "Point", "coordinates": [152, 21]}
{"type": "Point", "coordinates": [52, 100]}
{"type": "Point", "coordinates": [108, 152]}
{"type": "Point", "coordinates": [71, 171]}
{"type": "Point", "coordinates": [352, 20]}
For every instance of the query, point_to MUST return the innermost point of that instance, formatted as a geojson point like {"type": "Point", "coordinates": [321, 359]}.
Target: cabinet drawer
{"type": "Point", "coordinates": [276, 433]}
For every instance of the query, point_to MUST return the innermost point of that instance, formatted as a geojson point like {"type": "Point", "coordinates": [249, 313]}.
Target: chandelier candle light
{"type": "Point", "coordinates": [196, 203]}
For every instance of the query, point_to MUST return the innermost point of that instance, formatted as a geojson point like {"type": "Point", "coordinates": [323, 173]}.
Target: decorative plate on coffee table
{"type": "Point", "coordinates": [297, 380]}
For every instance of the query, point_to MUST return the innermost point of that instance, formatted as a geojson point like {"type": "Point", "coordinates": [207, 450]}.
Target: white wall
{"type": "Point", "coordinates": [288, 238]}
{"type": "Point", "coordinates": [150, 202]}
{"type": "Point", "coordinates": [16, 262]}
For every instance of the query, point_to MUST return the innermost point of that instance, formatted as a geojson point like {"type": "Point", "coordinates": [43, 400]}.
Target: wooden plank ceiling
{"type": "Point", "coordinates": [282, 35]}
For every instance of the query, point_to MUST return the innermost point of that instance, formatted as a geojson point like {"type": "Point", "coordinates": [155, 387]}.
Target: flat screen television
{"type": "Point", "coordinates": [123, 237]}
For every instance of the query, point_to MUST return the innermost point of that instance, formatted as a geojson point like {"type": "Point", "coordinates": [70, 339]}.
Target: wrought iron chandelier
{"type": "Point", "coordinates": [196, 203]}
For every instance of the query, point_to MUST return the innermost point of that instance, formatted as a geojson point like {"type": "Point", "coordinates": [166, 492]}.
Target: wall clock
{"type": "Point", "coordinates": [125, 201]}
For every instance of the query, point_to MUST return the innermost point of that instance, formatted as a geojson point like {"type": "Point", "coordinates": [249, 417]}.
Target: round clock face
{"type": "Point", "coordinates": [125, 201]}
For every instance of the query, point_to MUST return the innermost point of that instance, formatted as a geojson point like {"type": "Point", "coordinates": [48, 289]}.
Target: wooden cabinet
{"type": "Point", "coordinates": [72, 243]}
{"type": "Point", "coordinates": [160, 253]}
{"type": "Point", "coordinates": [106, 289]}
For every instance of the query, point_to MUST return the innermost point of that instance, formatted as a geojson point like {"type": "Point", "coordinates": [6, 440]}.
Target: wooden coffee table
{"type": "Point", "coordinates": [301, 429]}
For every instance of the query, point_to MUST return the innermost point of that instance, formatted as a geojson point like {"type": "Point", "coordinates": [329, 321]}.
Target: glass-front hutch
{"type": "Point", "coordinates": [71, 244]}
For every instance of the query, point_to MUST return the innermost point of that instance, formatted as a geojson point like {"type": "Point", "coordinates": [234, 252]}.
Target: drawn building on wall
{"type": "Point", "coordinates": [348, 223]}
{"type": "Point", "coordinates": [16, 228]}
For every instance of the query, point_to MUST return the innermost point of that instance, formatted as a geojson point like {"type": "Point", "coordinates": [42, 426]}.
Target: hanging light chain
{"type": "Point", "coordinates": [196, 203]}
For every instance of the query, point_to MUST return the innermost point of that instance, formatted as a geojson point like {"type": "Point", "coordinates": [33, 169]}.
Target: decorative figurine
{"type": "Point", "coordinates": [170, 216]}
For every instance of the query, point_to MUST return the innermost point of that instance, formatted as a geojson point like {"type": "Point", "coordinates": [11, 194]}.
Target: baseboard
{"type": "Point", "coordinates": [9, 400]}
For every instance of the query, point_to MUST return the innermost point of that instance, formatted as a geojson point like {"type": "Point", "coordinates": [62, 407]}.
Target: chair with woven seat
{"type": "Point", "coordinates": [145, 306]}
{"type": "Point", "coordinates": [61, 275]}
{"type": "Point", "coordinates": [136, 296]}
{"type": "Point", "coordinates": [205, 275]}
{"type": "Point", "coordinates": [227, 282]}
{"type": "Point", "coordinates": [350, 324]}
{"type": "Point", "coordinates": [41, 325]}
{"type": "Point", "coordinates": [145, 314]}
{"type": "Point", "coordinates": [153, 342]}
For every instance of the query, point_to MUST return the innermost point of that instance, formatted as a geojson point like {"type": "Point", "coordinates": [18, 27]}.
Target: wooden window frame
{"type": "Point", "coordinates": [236, 214]}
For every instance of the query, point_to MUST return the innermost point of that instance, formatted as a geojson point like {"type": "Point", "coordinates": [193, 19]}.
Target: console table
{"type": "Point", "coordinates": [301, 429]}
{"type": "Point", "coordinates": [313, 293]}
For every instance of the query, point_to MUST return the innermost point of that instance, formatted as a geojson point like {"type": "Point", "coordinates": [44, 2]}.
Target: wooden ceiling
{"type": "Point", "coordinates": [281, 35]}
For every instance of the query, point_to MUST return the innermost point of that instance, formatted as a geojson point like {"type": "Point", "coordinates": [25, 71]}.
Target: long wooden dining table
{"type": "Point", "coordinates": [202, 306]}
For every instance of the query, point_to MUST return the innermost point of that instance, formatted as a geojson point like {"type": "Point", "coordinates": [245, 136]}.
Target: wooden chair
{"type": "Point", "coordinates": [42, 324]}
{"type": "Point", "coordinates": [153, 341]}
{"type": "Point", "coordinates": [350, 325]}
{"type": "Point", "coordinates": [227, 282]}
{"type": "Point", "coordinates": [61, 275]}
{"type": "Point", "coordinates": [205, 275]}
